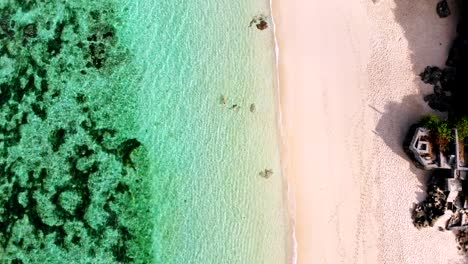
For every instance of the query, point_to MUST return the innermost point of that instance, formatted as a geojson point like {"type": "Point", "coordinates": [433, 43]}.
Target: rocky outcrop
{"type": "Point", "coordinates": [427, 212]}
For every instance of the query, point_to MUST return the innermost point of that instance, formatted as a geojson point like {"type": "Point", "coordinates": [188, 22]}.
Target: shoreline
{"type": "Point", "coordinates": [290, 202]}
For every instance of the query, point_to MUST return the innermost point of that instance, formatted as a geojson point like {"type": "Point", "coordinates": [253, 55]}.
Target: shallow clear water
{"type": "Point", "coordinates": [137, 157]}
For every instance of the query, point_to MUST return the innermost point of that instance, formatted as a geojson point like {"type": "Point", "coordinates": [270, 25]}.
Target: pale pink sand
{"type": "Point", "coordinates": [349, 90]}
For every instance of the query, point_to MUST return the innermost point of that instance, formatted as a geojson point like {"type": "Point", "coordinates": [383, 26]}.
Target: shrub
{"type": "Point", "coordinates": [441, 131]}
{"type": "Point", "coordinates": [462, 126]}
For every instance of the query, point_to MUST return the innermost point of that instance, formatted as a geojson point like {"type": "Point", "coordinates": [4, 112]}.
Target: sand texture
{"type": "Point", "coordinates": [349, 91]}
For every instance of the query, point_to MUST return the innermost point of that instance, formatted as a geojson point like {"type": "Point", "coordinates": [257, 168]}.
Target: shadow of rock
{"type": "Point", "coordinates": [393, 127]}
{"type": "Point", "coordinates": [429, 39]}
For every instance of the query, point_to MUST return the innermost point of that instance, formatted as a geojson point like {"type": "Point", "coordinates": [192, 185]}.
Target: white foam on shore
{"type": "Point", "coordinates": [291, 202]}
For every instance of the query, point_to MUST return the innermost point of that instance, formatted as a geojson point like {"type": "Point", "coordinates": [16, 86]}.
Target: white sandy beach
{"type": "Point", "coordinates": [349, 91]}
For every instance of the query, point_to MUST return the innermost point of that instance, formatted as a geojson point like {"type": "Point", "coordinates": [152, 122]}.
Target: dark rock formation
{"type": "Point", "coordinates": [462, 240]}
{"type": "Point", "coordinates": [259, 22]}
{"type": "Point", "coordinates": [431, 75]}
{"type": "Point", "coordinates": [443, 9]}
{"type": "Point", "coordinates": [266, 173]}
{"type": "Point", "coordinates": [262, 24]}
{"type": "Point", "coordinates": [451, 83]}
{"type": "Point", "coordinates": [428, 211]}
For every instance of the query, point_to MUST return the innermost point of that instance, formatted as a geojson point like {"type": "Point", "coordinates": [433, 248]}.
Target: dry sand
{"type": "Point", "coordinates": [349, 90]}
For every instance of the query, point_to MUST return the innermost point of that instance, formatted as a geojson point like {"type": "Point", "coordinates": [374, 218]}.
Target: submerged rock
{"type": "Point", "coordinates": [262, 25]}
{"type": "Point", "coordinates": [30, 31]}
{"type": "Point", "coordinates": [259, 22]}
{"type": "Point", "coordinates": [252, 108]}
{"type": "Point", "coordinates": [267, 173]}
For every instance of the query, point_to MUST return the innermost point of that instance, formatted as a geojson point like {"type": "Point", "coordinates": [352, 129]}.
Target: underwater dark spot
{"type": "Point", "coordinates": [120, 253]}
{"type": "Point", "coordinates": [57, 138]}
{"type": "Point", "coordinates": [95, 15]}
{"type": "Point", "coordinates": [112, 219]}
{"type": "Point", "coordinates": [44, 87]}
{"type": "Point", "coordinates": [24, 119]}
{"type": "Point", "coordinates": [76, 240]}
{"type": "Point", "coordinates": [126, 148]}
{"type": "Point", "coordinates": [40, 111]}
{"type": "Point", "coordinates": [30, 85]}
{"type": "Point", "coordinates": [27, 5]}
{"type": "Point", "coordinates": [19, 243]}
{"type": "Point", "coordinates": [17, 90]}
{"type": "Point", "coordinates": [55, 45]}
{"type": "Point", "coordinates": [17, 261]}
{"type": "Point", "coordinates": [5, 93]}
{"type": "Point", "coordinates": [80, 98]}
{"type": "Point", "coordinates": [92, 38]}
{"type": "Point", "coordinates": [99, 134]}
{"type": "Point", "coordinates": [83, 151]}
{"type": "Point", "coordinates": [108, 34]}
{"type": "Point", "coordinates": [56, 93]}
{"type": "Point", "coordinates": [122, 188]}
{"type": "Point", "coordinates": [13, 137]}
{"type": "Point", "coordinates": [60, 235]}
{"type": "Point", "coordinates": [41, 73]}
{"type": "Point", "coordinates": [13, 207]}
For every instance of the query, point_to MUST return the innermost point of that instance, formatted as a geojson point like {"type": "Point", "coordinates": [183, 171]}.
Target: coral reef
{"type": "Point", "coordinates": [73, 176]}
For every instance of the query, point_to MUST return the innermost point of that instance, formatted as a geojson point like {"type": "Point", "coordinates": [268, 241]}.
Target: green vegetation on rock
{"type": "Point", "coordinates": [440, 129]}
{"type": "Point", "coordinates": [462, 126]}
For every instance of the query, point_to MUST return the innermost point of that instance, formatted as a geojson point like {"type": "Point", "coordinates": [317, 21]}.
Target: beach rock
{"type": "Point", "coordinates": [440, 102]}
{"type": "Point", "coordinates": [431, 75]}
{"type": "Point", "coordinates": [443, 9]}
{"type": "Point", "coordinates": [428, 211]}
{"type": "Point", "coordinates": [438, 90]}
{"type": "Point", "coordinates": [262, 25]}
{"type": "Point", "coordinates": [448, 78]}
{"type": "Point", "coordinates": [260, 22]}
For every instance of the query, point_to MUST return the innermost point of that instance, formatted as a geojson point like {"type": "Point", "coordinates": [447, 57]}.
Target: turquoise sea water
{"type": "Point", "coordinates": [137, 132]}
